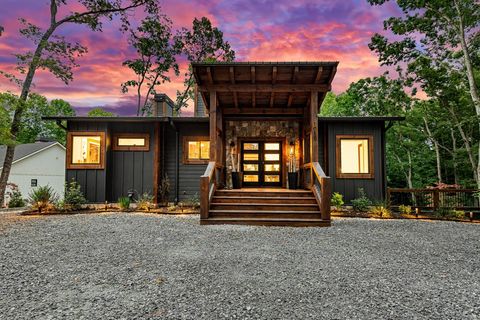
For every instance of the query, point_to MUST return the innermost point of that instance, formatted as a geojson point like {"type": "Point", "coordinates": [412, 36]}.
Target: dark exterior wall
{"type": "Point", "coordinates": [131, 170]}
{"type": "Point", "coordinates": [374, 188]}
{"type": "Point", "coordinates": [93, 182]}
{"type": "Point", "coordinates": [189, 174]}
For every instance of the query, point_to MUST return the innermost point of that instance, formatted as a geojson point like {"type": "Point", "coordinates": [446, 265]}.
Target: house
{"type": "Point", "coordinates": [261, 117]}
{"type": "Point", "coordinates": [37, 164]}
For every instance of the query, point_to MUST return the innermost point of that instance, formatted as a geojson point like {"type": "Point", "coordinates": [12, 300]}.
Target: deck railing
{"type": "Point", "coordinates": [316, 180]}
{"type": "Point", "coordinates": [208, 186]}
{"type": "Point", "coordinates": [433, 199]}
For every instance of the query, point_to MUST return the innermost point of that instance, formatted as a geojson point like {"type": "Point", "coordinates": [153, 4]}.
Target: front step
{"type": "Point", "coordinates": [280, 222]}
{"type": "Point", "coordinates": [265, 207]}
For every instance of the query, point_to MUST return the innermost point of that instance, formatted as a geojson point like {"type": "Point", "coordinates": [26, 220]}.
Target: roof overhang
{"type": "Point", "coordinates": [360, 119]}
{"type": "Point", "coordinates": [263, 85]}
{"type": "Point", "coordinates": [128, 119]}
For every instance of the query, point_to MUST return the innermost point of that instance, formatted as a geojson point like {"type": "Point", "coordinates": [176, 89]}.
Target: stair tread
{"type": "Point", "coordinates": [263, 198]}
{"type": "Point", "coordinates": [263, 212]}
{"type": "Point", "coordinates": [264, 219]}
{"type": "Point", "coordinates": [266, 204]}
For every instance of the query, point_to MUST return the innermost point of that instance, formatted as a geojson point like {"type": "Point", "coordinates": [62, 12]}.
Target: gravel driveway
{"type": "Point", "coordinates": [145, 266]}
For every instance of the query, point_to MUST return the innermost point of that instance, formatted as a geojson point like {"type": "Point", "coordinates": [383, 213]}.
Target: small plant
{"type": "Point", "coordinates": [403, 209]}
{"type": "Point", "coordinates": [124, 203]}
{"type": "Point", "coordinates": [362, 203]}
{"type": "Point", "coordinates": [43, 198]}
{"type": "Point", "coordinates": [193, 201]}
{"type": "Point", "coordinates": [381, 211]}
{"type": "Point", "coordinates": [337, 200]}
{"type": "Point", "coordinates": [458, 214]}
{"type": "Point", "coordinates": [145, 202]}
{"type": "Point", "coordinates": [74, 198]}
{"type": "Point", "coordinates": [15, 196]}
{"type": "Point", "coordinates": [164, 190]}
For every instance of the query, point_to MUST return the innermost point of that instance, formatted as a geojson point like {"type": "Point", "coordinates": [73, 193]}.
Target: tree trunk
{"type": "Point", "coordinates": [454, 156]}
{"type": "Point", "coordinates": [437, 150]}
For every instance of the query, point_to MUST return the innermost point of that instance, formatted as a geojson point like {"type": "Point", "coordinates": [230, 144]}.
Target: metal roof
{"type": "Point", "coordinates": [129, 119]}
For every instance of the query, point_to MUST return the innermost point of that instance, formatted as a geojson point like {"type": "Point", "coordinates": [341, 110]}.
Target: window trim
{"type": "Point", "coordinates": [70, 136]}
{"type": "Point", "coordinates": [338, 159]}
{"type": "Point", "coordinates": [116, 136]}
{"type": "Point", "coordinates": [187, 139]}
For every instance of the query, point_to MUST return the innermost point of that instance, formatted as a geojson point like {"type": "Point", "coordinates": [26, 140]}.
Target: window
{"type": "Point", "coordinates": [85, 150]}
{"type": "Point", "coordinates": [33, 182]}
{"type": "Point", "coordinates": [354, 156]}
{"type": "Point", "coordinates": [196, 150]}
{"type": "Point", "coordinates": [131, 142]}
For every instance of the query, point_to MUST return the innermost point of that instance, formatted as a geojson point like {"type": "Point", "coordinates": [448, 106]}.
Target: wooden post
{"type": "Point", "coordinates": [313, 126]}
{"type": "Point", "coordinates": [325, 196]}
{"type": "Point", "coordinates": [213, 126]}
{"type": "Point", "coordinates": [436, 200]}
{"type": "Point", "coordinates": [204, 190]}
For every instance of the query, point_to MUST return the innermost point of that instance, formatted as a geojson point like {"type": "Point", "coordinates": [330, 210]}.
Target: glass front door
{"type": "Point", "coordinates": [262, 163]}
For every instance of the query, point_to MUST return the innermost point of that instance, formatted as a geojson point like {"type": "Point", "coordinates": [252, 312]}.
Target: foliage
{"type": "Point", "coordinates": [99, 112]}
{"type": "Point", "coordinates": [403, 209]}
{"type": "Point", "coordinates": [42, 198]}
{"type": "Point", "coordinates": [156, 52]}
{"type": "Point", "coordinates": [145, 201]}
{"type": "Point", "coordinates": [194, 201]}
{"type": "Point", "coordinates": [380, 211]}
{"type": "Point", "coordinates": [74, 198]}
{"type": "Point", "coordinates": [362, 203]}
{"type": "Point", "coordinates": [164, 189]}
{"type": "Point", "coordinates": [203, 43]}
{"type": "Point", "coordinates": [337, 200]}
{"type": "Point", "coordinates": [15, 196]}
{"type": "Point", "coordinates": [124, 203]}
{"type": "Point", "coordinates": [449, 213]}
{"type": "Point", "coordinates": [32, 126]}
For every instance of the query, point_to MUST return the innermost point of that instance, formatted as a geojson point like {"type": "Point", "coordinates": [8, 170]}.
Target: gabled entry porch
{"type": "Point", "coordinates": [264, 123]}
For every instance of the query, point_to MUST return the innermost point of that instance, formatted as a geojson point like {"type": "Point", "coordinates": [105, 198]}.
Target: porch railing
{"type": "Point", "coordinates": [208, 185]}
{"type": "Point", "coordinates": [317, 181]}
{"type": "Point", "coordinates": [433, 199]}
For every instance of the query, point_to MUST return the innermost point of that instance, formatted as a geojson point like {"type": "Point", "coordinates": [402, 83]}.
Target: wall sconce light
{"type": "Point", "coordinates": [292, 148]}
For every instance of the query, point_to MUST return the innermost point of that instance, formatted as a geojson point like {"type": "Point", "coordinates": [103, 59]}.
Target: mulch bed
{"type": "Point", "coordinates": [353, 214]}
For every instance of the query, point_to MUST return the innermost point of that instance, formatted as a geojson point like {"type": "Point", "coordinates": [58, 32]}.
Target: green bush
{"type": "Point", "coordinates": [405, 209]}
{"type": "Point", "coordinates": [337, 200]}
{"type": "Point", "coordinates": [74, 198]}
{"type": "Point", "coordinates": [43, 198]}
{"type": "Point", "coordinates": [16, 199]}
{"type": "Point", "coordinates": [194, 201]}
{"type": "Point", "coordinates": [145, 201]}
{"type": "Point", "coordinates": [458, 214]}
{"type": "Point", "coordinates": [361, 203]}
{"type": "Point", "coordinates": [381, 211]}
{"type": "Point", "coordinates": [124, 203]}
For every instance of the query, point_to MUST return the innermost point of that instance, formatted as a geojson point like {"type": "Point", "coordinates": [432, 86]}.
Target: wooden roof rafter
{"type": "Point", "coordinates": [252, 80]}
{"type": "Point", "coordinates": [274, 81]}
{"type": "Point", "coordinates": [232, 81]}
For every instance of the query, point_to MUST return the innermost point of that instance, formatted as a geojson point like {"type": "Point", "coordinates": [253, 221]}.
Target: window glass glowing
{"type": "Point", "coordinates": [272, 167]}
{"type": "Point", "coordinates": [272, 178]}
{"type": "Point", "coordinates": [272, 146]}
{"type": "Point", "coordinates": [250, 146]}
{"type": "Point", "coordinates": [250, 156]}
{"type": "Point", "coordinates": [198, 150]}
{"type": "Point", "coordinates": [250, 167]}
{"type": "Point", "coordinates": [131, 142]}
{"type": "Point", "coordinates": [272, 157]}
{"type": "Point", "coordinates": [354, 156]}
{"type": "Point", "coordinates": [86, 149]}
{"type": "Point", "coordinates": [250, 178]}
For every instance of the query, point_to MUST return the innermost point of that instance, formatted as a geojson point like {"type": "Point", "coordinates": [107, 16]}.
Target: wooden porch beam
{"type": "Point", "coordinates": [313, 126]}
{"type": "Point", "coordinates": [295, 75]}
{"type": "Point", "coordinates": [232, 81]}
{"type": "Point", "coordinates": [332, 74]}
{"type": "Point", "coordinates": [265, 88]}
{"type": "Point", "coordinates": [252, 74]}
{"type": "Point", "coordinates": [209, 75]}
{"type": "Point", "coordinates": [272, 98]}
{"type": "Point", "coordinates": [319, 74]}
{"type": "Point", "coordinates": [290, 100]}
{"type": "Point", "coordinates": [260, 111]}
{"type": "Point", "coordinates": [213, 125]}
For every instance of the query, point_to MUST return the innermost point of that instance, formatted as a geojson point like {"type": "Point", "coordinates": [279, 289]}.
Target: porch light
{"type": "Point", "coordinates": [292, 148]}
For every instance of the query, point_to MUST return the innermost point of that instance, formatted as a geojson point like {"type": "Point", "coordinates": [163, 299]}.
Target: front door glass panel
{"type": "Point", "coordinates": [262, 163]}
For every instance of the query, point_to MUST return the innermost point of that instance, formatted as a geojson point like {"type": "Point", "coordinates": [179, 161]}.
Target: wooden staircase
{"type": "Point", "coordinates": [268, 207]}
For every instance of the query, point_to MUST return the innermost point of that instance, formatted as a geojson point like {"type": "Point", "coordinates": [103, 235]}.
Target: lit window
{"type": "Point", "coordinates": [196, 150]}
{"type": "Point", "coordinates": [354, 157]}
{"type": "Point", "coordinates": [131, 142]}
{"type": "Point", "coordinates": [85, 150]}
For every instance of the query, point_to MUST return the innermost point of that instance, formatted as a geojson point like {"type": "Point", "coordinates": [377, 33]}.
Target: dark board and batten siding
{"type": "Point", "coordinates": [93, 182]}
{"type": "Point", "coordinates": [189, 174]}
{"type": "Point", "coordinates": [374, 188]}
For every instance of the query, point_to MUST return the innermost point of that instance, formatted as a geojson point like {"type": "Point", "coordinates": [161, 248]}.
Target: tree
{"type": "Point", "coordinates": [56, 55]}
{"type": "Point", "coordinates": [99, 112]}
{"type": "Point", "coordinates": [32, 127]}
{"type": "Point", "coordinates": [435, 34]}
{"type": "Point", "coordinates": [202, 43]}
{"type": "Point", "coordinates": [153, 43]}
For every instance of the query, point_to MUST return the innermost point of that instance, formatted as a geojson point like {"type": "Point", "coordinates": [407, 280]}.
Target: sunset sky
{"type": "Point", "coordinates": [258, 30]}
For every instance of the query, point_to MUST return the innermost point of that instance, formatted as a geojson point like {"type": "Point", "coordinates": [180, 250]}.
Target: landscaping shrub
{"type": "Point", "coordinates": [16, 199]}
{"type": "Point", "coordinates": [194, 201]}
{"type": "Point", "coordinates": [74, 198]}
{"type": "Point", "coordinates": [124, 203]}
{"type": "Point", "coordinates": [145, 201]}
{"type": "Point", "coordinates": [164, 190]}
{"type": "Point", "coordinates": [361, 203]}
{"type": "Point", "coordinates": [337, 200]}
{"type": "Point", "coordinates": [381, 211]}
{"type": "Point", "coordinates": [43, 198]}
{"type": "Point", "coordinates": [405, 209]}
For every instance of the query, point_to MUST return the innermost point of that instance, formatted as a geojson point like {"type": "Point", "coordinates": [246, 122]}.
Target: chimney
{"type": "Point", "coordinates": [162, 106]}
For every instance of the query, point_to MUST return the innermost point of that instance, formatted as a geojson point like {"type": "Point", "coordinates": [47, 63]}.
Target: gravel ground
{"type": "Point", "coordinates": [145, 266]}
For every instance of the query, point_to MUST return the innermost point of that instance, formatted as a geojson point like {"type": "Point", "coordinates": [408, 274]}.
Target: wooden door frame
{"type": "Point", "coordinates": [283, 156]}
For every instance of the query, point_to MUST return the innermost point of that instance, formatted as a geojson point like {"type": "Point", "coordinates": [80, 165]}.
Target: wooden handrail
{"type": "Point", "coordinates": [208, 186]}
{"type": "Point", "coordinates": [324, 194]}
